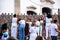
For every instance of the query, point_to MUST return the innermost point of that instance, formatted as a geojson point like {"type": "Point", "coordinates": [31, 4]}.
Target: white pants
{"type": "Point", "coordinates": [47, 29]}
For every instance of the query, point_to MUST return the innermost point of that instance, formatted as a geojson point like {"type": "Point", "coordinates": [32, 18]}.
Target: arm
{"type": "Point", "coordinates": [57, 29]}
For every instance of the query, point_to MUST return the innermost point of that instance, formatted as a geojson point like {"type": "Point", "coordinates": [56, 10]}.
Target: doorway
{"type": "Point", "coordinates": [46, 10]}
{"type": "Point", "coordinates": [31, 13]}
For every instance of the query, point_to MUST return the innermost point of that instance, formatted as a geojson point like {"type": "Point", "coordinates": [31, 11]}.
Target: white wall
{"type": "Point", "coordinates": [56, 6]}
{"type": "Point", "coordinates": [25, 3]}
{"type": "Point", "coordinates": [6, 6]}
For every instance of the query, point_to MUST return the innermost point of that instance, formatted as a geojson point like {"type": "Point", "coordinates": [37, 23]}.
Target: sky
{"type": "Point", "coordinates": [6, 6]}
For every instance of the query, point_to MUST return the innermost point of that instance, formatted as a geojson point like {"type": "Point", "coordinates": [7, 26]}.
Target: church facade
{"type": "Point", "coordinates": [38, 7]}
{"type": "Point", "coordinates": [47, 6]}
{"type": "Point", "coordinates": [26, 7]}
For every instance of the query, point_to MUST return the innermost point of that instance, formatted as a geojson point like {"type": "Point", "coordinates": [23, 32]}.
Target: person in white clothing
{"type": "Point", "coordinates": [48, 20]}
{"type": "Point", "coordinates": [14, 27]}
{"type": "Point", "coordinates": [33, 32]}
{"type": "Point", "coordinates": [54, 30]}
{"type": "Point", "coordinates": [37, 23]}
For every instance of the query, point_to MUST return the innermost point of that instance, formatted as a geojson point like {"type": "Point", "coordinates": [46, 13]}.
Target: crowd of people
{"type": "Point", "coordinates": [40, 28]}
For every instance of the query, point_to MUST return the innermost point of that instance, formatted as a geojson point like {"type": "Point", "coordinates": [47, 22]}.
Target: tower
{"type": "Point", "coordinates": [17, 7]}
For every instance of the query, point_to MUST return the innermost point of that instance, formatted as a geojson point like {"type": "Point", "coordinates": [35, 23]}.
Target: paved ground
{"type": "Point", "coordinates": [59, 38]}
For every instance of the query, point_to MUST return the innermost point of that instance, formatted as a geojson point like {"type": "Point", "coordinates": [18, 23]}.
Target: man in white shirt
{"type": "Point", "coordinates": [54, 30]}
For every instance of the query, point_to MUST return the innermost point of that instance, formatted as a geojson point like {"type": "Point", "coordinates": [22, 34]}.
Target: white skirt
{"type": "Point", "coordinates": [33, 36]}
{"type": "Point", "coordinates": [14, 30]}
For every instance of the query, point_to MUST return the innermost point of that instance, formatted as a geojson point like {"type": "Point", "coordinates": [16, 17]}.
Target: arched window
{"type": "Point", "coordinates": [46, 10]}
{"type": "Point", "coordinates": [31, 13]}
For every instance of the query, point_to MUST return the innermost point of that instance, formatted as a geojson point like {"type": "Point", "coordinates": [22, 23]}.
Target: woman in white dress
{"type": "Point", "coordinates": [14, 27]}
{"type": "Point", "coordinates": [48, 22]}
{"type": "Point", "coordinates": [33, 32]}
